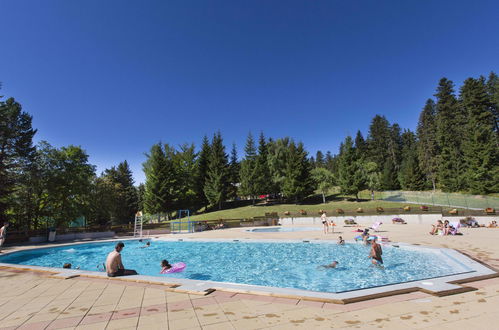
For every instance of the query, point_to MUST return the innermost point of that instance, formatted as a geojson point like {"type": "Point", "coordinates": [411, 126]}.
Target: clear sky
{"type": "Point", "coordinates": [117, 76]}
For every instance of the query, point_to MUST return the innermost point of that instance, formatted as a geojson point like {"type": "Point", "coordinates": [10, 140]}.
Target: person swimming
{"type": "Point", "coordinates": [165, 265]}
{"type": "Point", "coordinates": [148, 244]}
{"type": "Point", "coordinates": [334, 264]}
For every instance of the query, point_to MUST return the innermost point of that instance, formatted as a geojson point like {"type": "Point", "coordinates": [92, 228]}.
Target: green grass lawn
{"type": "Point", "coordinates": [330, 207]}
{"type": "Point", "coordinates": [313, 204]}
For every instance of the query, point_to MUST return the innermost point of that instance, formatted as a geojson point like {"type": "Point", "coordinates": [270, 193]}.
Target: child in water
{"type": "Point", "coordinates": [165, 265]}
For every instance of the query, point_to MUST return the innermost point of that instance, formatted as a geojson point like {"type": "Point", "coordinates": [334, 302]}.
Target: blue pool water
{"type": "Point", "coordinates": [284, 229]}
{"type": "Point", "coordinates": [288, 265]}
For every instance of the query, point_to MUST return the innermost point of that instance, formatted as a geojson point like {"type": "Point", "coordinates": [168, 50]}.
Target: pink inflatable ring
{"type": "Point", "coordinates": [176, 268]}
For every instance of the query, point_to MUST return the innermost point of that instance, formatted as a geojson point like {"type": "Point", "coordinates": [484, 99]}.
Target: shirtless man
{"type": "Point", "coordinates": [3, 234]}
{"type": "Point", "coordinates": [376, 253]}
{"type": "Point", "coordinates": [114, 266]}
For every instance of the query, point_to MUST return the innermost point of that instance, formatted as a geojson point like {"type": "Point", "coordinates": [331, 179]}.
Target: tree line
{"type": "Point", "coordinates": [454, 148]}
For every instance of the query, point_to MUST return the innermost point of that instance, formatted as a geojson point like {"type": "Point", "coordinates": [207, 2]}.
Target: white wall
{"type": "Point", "coordinates": [370, 219]}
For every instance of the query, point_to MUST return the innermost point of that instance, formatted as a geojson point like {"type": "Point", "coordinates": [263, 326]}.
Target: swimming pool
{"type": "Point", "coordinates": [284, 229]}
{"type": "Point", "coordinates": [274, 264]}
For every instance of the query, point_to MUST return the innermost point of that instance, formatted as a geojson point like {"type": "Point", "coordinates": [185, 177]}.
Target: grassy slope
{"type": "Point", "coordinates": [312, 209]}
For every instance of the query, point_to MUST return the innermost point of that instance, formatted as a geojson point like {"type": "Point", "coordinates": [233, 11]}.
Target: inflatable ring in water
{"type": "Point", "coordinates": [176, 268]}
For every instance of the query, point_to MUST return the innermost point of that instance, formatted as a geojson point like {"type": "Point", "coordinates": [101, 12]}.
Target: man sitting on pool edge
{"type": "Point", "coordinates": [114, 266]}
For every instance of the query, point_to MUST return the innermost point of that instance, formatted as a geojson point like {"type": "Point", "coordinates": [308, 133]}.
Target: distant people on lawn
{"type": "Point", "coordinates": [114, 265]}
{"type": "Point", "coordinates": [3, 234]}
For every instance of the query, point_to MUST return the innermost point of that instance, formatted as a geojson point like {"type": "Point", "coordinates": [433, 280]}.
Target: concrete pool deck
{"type": "Point", "coordinates": [34, 300]}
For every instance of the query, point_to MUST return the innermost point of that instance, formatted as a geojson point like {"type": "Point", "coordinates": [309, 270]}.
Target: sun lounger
{"type": "Point", "coordinates": [399, 221]}
{"type": "Point", "coordinates": [376, 225]}
{"type": "Point", "coordinates": [350, 222]}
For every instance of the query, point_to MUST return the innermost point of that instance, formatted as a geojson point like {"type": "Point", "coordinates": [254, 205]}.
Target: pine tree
{"type": "Point", "coordinates": [410, 175]}
{"type": "Point", "coordinates": [216, 184]}
{"type": "Point", "coordinates": [378, 141]}
{"type": "Point", "coordinates": [123, 191]}
{"type": "Point", "coordinates": [319, 159]}
{"type": "Point", "coordinates": [202, 170]}
{"type": "Point", "coordinates": [450, 121]}
{"type": "Point", "coordinates": [332, 163]}
{"type": "Point", "coordinates": [297, 183]}
{"type": "Point", "coordinates": [277, 160]}
{"type": "Point", "coordinates": [479, 148]}
{"type": "Point", "coordinates": [372, 177]}
{"type": "Point", "coordinates": [262, 172]}
{"type": "Point", "coordinates": [16, 141]}
{"type": "Point", "coordinates": [493, 93]}
{"type": "Point", "coordinates": [160, 178]}
{"type": "Point", "coordinates": [350, 179]}
{"type": "Point", "coordinates": [428, 145]}
{"type": "Point", "coordinates": [248, 170]}
{"type": "Point", "coordinates": [360, 145]}
{"type": "Point", "coordinates": [234, 168]}
{"type": "Point", "coordinates": [141, 191]}
{"type": "Point", "coordinates": [185, 164]}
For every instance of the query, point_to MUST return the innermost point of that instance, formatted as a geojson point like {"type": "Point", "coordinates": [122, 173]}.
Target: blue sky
{"type": "Point", "coordinates": [118, 76]}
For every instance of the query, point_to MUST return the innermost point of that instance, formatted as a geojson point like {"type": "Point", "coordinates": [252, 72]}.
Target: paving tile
{"type": "Point", "coordinates": [219, 326]}
{"type": "Point", "coordinates": [122, 323]}
{"type": "Point", "coordinates": [204, 302]}
{"type": "Point", "coordinates": [210, 314]}
{"type": "Point", "coordinates": [181, 314]}
{"type": "Point", "coordinates": [35, 325]}
{"type": "Point", "coordinates": [317, 304]}
{"type": "Point", "coordinates": [248, 323]}
{"type": "Point", "coordinates": [93, 326]}
{"type": "Point", "coordinates": [184, 323]}
{"type": "Point", "coordinates": [14, 322]}
{"type": "Point", "coordinates": [41, 317]}
{"type": "Point", "coordinates": [96, 318]}
{"type": "Point", "coordinates": [186, 304]}
{"type": "Point", "coordinates": [156, 321]}
{"type": "Point", "coordinates": [125, 313]}
{"type": "Point", "coordinates": [153, 309]}
{"type": "Point", "coordinates": [61, 323]}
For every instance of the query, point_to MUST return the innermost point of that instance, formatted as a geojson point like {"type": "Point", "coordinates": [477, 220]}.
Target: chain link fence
{"type": "Point", "coordinates": [456, 200]}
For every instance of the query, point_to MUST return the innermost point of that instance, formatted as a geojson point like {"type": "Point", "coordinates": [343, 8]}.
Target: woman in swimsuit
{"type": "Point", "coordinates": [376, 253]}
{"type": "Point", "coordinates": [325, 222]}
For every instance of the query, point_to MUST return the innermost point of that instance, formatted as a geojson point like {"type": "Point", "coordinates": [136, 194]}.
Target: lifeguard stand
{"type": "Point", "coordinates": [137, 228]}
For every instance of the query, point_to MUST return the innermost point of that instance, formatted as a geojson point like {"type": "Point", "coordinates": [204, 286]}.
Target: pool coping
{"type": "Point", "coordinates": [439, 286]}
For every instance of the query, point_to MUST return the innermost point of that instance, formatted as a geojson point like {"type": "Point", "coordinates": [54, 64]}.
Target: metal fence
{"type": "Point", "coordinates": [473, 202]}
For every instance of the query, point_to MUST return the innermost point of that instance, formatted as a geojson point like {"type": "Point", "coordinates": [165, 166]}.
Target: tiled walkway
{"type": "Point", "coordinates": [31, 300]}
